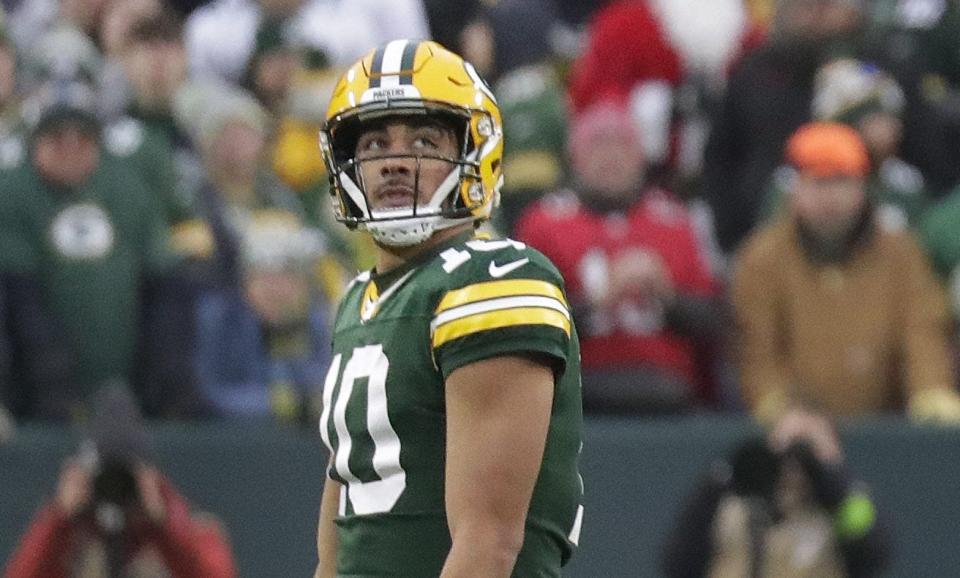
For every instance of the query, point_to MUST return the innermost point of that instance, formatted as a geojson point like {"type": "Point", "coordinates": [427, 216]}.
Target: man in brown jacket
{"type": "Point", "coordinates": [834, 311]}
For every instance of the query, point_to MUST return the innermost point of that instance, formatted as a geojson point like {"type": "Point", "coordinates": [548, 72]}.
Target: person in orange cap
{"type": "Point", "coordinates": [834, 311]}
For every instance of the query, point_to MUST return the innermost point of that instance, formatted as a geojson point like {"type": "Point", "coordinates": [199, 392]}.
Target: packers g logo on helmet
{"type": "Point", "coordinates": [409, 77]}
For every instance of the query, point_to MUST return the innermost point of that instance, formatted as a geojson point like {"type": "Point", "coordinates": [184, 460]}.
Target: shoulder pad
{"type": "Point", "coordinates": [481, 260]}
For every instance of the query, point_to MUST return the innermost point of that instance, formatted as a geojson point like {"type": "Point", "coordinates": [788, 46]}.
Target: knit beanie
{"type": "Point", "coordinates": [846, 90]}
{"type": "Point", "coordinates": [204, 108]}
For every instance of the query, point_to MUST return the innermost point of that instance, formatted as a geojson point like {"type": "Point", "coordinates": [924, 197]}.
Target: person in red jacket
{"type": "Point", "coordinates": [636, 276]}
{"type": "Point", "coordinates": [116, 514]}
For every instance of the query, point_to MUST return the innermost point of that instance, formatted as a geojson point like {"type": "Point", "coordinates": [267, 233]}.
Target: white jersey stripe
{"type": "Point", "coordinates": [495, 305]}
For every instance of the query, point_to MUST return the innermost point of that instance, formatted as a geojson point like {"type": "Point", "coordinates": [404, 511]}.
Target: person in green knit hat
{"type": "Point", "coordinates": [865, 97]}
{"type": "Point", "coordinates": [83, 228]}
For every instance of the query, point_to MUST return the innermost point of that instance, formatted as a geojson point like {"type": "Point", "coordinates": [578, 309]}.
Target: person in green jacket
{"type": "Point", "coordinates": [83, 229]}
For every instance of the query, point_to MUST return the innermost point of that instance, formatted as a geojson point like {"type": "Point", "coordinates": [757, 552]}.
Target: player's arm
{"type": "Point", "coordinates": [498, 413]}
{"type": "Point", "coordinates": [327, 531]}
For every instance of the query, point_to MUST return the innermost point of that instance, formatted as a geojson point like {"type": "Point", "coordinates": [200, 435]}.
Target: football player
{"type": "Point", "coordinates": [452, 407]}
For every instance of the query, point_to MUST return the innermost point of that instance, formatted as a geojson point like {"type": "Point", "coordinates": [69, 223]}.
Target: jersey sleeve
{"type": "Point", "coordinates": [489, 312]}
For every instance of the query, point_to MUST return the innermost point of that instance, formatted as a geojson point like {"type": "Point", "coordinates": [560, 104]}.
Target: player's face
{"type": "Point", "coordinates": [399, 162]}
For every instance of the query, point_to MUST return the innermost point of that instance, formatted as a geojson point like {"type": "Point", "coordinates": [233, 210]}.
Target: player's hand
{"type": "Point", "coordinates": [74, 487]}
{"type": "Point", "coordinates": [799, 425]}
{"type": "Point", "coordinates": [151, 498]}
{"type": "Point", "coordinates": [640, 273]}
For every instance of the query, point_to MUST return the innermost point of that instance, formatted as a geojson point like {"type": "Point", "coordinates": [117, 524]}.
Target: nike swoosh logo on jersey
{"type": "Point", "coordinates": [501, 270]}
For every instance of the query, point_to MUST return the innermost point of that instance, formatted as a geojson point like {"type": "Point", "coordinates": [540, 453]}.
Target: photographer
{"type": "Point", "coordinates": [115, 514]}
{"type": "Point", "coordinates": [781, 506]}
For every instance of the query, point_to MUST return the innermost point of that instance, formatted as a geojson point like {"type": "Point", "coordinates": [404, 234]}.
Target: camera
{"type": "Point", "coordinates": [115, 483]}
{"type": "Point", "coordinates": [755, 469]}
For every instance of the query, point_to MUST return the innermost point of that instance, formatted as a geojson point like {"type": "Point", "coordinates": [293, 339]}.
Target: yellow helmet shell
{"type": "Point", "coordinates": [416, 77]}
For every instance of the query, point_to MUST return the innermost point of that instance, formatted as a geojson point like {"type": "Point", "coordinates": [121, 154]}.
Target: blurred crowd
{"type": "Point", "coordinates": [755, 203]}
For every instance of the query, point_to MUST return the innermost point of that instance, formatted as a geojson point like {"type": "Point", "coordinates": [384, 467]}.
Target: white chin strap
{"type": "Point", "coordinates": [403, 233]}
{"type": "Point", "coordinates": [400, 228]}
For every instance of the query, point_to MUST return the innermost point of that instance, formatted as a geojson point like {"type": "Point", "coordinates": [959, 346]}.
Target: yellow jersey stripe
{"type": "Point", "coordinates": [495, 289]}
{"type": "Point", "coordinates": [499, 319]}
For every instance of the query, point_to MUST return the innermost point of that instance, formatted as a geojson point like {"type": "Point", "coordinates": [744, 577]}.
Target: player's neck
{"type": "Point", "coordinates": [389, 258]}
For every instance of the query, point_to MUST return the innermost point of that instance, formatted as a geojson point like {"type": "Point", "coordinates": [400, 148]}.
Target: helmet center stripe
{"type": "Point", "coordinates": [392, 63]}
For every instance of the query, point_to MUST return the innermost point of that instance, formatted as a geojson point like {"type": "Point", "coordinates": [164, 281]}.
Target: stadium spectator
{"type": "Point", "coordinates": [116, 514]}
{"type": "Point", "coordinates": [786, 505]}
{"type": "Point", "coordinates": [628, 57]}
{"type": "Point", "coordinates": [153, 62]}
{"type": "Point", "coordinates": [33, 357]}
{"type": "Point", "coordinates": [264, 345]}
{"type": "Point", "coordinates": [708, 38]}
{"type": "Point", "coordinates": [230, 129]}
{"type": "Point", "coordinates": [532, 101]}
{"type": "Point", "coordinates": [232, 313]}
{"type": "Point", "coordinates": [221, 35]}
{"type": "Point", "coordinates": [118, 20]}
{"type": "Point", "coordinates": [97, 20]}
{"type": "Point", "coordinates": [448, 19]}
{"type": "Point", "coordinates": [834, 310]}
{"type": "Point", "coordinates": [274, 61]}
{"type": "Point", "coordinates": [768, 96]}
{"type": "Point", "coordinates": [865, 97]}
{"type": "Point", "coordinates": [293, 83]}
{"type": "Point", "coordinates": [919, 42]}
{"type": "Point", "coordinates": [81, 226]}
{"type": "Point", "coordinates": [639, 286]}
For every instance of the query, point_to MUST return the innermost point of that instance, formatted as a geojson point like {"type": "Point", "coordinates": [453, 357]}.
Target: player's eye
{"type": "Point", "coordinates": [425, 142]}
{"type": "Point", "coordinates": [371, 143]}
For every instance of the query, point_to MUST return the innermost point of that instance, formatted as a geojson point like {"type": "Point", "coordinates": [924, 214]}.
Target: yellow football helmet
{"type": "Point", "coordinates": [409, 77]}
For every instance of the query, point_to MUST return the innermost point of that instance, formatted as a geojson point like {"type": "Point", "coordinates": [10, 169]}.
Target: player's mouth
{"type": "Point", "coordinates": [394, 196]}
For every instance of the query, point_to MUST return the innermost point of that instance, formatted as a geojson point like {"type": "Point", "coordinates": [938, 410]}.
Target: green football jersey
{"type": "Point", "coordinates": [397, 337]}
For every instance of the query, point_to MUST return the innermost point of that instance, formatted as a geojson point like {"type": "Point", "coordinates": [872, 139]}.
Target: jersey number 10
{"type": "Point", "coordinates": [370, 497]}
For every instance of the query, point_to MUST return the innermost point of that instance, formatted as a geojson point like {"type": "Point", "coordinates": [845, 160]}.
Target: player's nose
{"type": "Point", "coordinates": [397, 165]}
